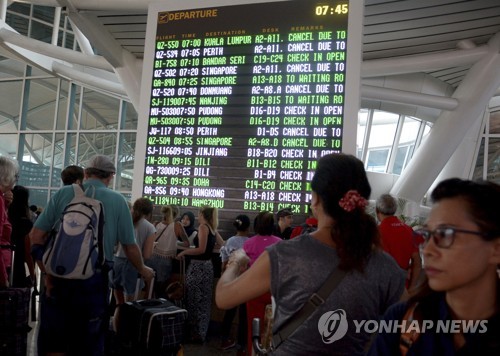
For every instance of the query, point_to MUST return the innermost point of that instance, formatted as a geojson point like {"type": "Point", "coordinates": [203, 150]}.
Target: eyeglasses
{"type": "Point", "coordinates": [444, 236]}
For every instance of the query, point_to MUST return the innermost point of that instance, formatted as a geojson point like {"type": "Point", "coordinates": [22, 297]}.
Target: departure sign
{"type": "Point", "coordinates": [243, 101]}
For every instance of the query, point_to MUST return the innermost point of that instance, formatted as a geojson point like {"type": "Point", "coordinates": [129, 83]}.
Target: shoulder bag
{"type": "Point", "coordinates": [161, 233]}
{"type": "Point", "coordinates": [315, 300]}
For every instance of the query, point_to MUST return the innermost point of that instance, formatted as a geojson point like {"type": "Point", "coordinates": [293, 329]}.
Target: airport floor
{"type": "Point", "coordinates": [210, 348]}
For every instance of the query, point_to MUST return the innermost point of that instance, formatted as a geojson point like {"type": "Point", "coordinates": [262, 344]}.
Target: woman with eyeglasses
{"type": "Point", "coordinates": [457, 310]}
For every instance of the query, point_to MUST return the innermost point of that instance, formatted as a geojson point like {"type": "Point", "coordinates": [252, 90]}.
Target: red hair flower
{"type": "Point", "coordinates": [352, 200]}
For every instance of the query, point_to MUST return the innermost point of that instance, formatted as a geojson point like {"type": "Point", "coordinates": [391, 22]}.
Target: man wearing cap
{"type": "Point", "coordinates": [283, 229]}
{"type": "Point", "coordinates": [74, 313]}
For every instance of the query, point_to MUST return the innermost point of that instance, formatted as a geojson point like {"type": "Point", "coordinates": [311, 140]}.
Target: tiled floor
{"type": "Point", "coordinates": [210, 348]}
{"type": "Point", "coordinates": [32, 338]}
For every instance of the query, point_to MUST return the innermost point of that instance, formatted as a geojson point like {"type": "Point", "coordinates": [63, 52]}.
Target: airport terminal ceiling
{"type": "Point", "coordinates": [391, 29]}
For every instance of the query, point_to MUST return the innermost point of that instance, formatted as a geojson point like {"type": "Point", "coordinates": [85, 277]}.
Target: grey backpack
{"type": "Point", "coordinates": [75, 249]}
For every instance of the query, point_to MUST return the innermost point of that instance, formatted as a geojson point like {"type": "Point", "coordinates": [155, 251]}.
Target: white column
{"type": "Point", "coordinates": [126, 66]}
{"type": "Point", "coordinates": [473, 94]}
{"type": "Point", "coordinates": [3, 9]}
{"type": "Point", "coordinates": [83, 42]}
{"type": "Point", "coordinates": [463, 160]}
{"type": "Point", "coordinates": [55, 26]}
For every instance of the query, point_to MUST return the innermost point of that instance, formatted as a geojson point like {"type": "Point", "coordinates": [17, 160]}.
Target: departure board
{"type": "Point", "coordinates": [243, 101]}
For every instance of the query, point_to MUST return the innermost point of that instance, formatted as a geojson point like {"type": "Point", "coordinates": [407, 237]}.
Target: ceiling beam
{"type": "Point", "coordinates": [47, 49]}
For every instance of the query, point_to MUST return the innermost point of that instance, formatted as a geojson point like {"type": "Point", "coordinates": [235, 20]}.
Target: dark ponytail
{"type": "Point", "coordinates": [343, 177]}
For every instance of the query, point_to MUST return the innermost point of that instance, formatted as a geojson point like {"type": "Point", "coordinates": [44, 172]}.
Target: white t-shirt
{"type": "Point", "coordinates": [143, 229]}
{"type": "Point", "coordinates": [167, 243]}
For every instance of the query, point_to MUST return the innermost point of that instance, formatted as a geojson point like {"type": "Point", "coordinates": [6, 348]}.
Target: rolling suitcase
{"type": "Point", "coordinates": [14, 314]}
{"type": "Point", "coordinates": [151, 327]}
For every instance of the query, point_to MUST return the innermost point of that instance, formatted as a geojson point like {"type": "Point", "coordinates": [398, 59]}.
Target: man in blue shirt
{"type": "Point", "coordinates": [74, 313]}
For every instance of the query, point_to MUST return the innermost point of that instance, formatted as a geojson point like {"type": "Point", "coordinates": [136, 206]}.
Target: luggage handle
{"type": "Point", "coordinates": [12, 249]}
{"type": "Point", "coordinates": [8, 247]}
{"type": "Point", "coordinates": [150, 302]}
{"type": "Point", "coordinates": [138, 285]}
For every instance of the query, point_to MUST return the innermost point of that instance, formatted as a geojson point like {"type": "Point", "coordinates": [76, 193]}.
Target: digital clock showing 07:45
{"type": "Point", "coordinates": [323, 10]}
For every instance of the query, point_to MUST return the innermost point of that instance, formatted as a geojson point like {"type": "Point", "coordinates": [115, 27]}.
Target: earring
{"type": "Point", "coordinates": [421, 253]}
{"type": "Point", "coordinates": [498, 271]}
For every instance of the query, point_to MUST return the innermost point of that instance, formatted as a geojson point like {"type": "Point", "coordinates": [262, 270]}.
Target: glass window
{"type": "Point", "coordinates": [130, 116]}
{"type": "Point", "coordinates": [10, 104]}
{"type": "Point", "coordinates": [72, 149]}
{"type": "Point", "coordinates": [377, 160]}
{"type": "Point", "coordinates": [64, 21]}
{"type": "Point", "coordinates": [91, 143]}
{"type": "Point", "coordinates": [10, 68]}
{"type": "Point", "coordinates": [39, 197]}
{"type": "Point", "coordinates": [360, 138]}
{"type": "Point", "coordinates": [41, 103]}
{"type": "Point", "coordinates": [479, 167]}
{"type": "Point", "coordinates": [493, 173]}
{"type": "Point", "coordinates": [60, 38]}
{"type": "Point", "coordinates": [410, 131]}
{"type": "Point", "coordinates": [99, 112]}
{"type": "Point", "coordinates": [8, 145]}
{"type": "Point", "coordinates": [43, 152]}
{"type": "Point", "coordinates": [74, 106]}
{"type": "Point", "coordinates": [69, 40]}
{"type": "Point", "coordinates": [406, 144]}
{"type": "Point", "coordinates": [382, 134]}
{"type": "Point", "coordinates": [126, 162]}
{"type": "Point", "coordinates": [401, 159]}
{"type": "Point", "coordinates": [34, 174]}
{"type": "Point", "coordinates": [19, 23]}
{"type": "Point", "coordinates": [44, 13]}
{"type": "Point", "coordinates": [35, 147]}
{"type": "Point", "coordinates": [495, 123]}
{"type": "Point", "coordinates": [66, 37]}
{"type": "Point", "coordinates": [20, 8]}
{"type": "Point", "coordinates": [36, 72]}
{"type": "Point", "coordinates": [66, 40]}
{"type": "Point", "coordinates": [41, 31]}
{"type": "Point", "coordinates": [427, 129]}
{"type": "Point", "coordinates": [57, 161]}
{"type": "Point", "coordinates": [62, 104]}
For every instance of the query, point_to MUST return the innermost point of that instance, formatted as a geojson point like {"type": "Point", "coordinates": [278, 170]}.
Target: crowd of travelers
{"type": "Point", "coordinates": [322, 283]}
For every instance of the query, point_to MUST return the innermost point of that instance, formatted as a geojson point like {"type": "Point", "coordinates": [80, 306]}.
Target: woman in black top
{"type": "Point", "coordinates": [200, 273]}
{"type": "Point", "coordinates": [19, 217]}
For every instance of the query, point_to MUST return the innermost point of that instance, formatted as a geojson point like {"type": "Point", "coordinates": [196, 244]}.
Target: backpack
{"type": "Point", "coordinates": [75, 248]}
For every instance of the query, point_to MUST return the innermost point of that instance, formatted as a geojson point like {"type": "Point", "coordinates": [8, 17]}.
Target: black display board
{"type": "Point", "coordinates": [243, 101]}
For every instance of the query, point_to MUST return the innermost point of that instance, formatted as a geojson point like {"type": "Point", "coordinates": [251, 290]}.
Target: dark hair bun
{"type": "Point", "coordinates": [241, 223]}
